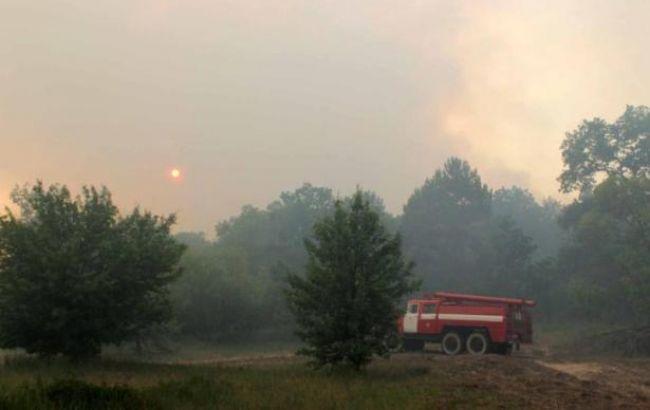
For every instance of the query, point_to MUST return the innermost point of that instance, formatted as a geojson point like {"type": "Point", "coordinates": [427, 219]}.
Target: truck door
{"type": "Point", "coordinates": [428, 318]}
{"type": "Point", "coordinates": [411, 318]}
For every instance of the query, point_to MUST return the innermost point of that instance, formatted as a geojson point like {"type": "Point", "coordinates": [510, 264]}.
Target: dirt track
{"type": "Point", "coordinates": [545, 383]}
{"type": "Point", "coordinates": [628, 378]}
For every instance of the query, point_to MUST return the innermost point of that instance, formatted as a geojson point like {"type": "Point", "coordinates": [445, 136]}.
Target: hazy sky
{"type": "Point", "coordinates": [252, 98]}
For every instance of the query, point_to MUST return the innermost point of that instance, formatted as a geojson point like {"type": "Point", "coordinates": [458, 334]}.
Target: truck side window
{"type": "Point", "coordinates": [413, 308]}
{"type": "Point", "coordinates": [429, 308]}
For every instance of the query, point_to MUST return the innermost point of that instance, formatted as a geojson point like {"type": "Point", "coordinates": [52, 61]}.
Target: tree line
{"type": "Point", "coordinates": [76, 274]}
{"type": "Point", "coordinates": [461, 235]}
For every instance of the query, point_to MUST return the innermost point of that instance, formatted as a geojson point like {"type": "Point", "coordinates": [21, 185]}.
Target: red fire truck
{"type": "Point", "coordinates": [459, 322]}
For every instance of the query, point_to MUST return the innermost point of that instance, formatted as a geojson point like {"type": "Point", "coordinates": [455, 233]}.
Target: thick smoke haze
{"type": "Point", "coordinates": [252, 98]}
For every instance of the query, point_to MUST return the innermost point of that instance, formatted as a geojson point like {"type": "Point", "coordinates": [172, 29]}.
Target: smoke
{"type": "Point", "coordinates": [529, 71]}
{"type": "Point", "coordinates": [252, 98]}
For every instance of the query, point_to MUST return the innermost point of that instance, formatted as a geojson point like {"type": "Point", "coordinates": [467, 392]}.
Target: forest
{"type": "Point", "coordinates": [586, 261]}
{"type": "Point", "coordinates": [583, 261]}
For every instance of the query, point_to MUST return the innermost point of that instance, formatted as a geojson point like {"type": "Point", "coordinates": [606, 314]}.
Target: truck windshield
{"type": "Point", "coordinates": [412, 308]}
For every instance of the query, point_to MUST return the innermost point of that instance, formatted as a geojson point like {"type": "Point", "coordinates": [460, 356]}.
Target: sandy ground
{"type": "Point", "coordinates": [549, 382]}
{"type": "Point", "coordinates": [624, 376]}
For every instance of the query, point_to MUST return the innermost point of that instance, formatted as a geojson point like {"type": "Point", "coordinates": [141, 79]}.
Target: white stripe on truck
{"type": "Point", "coordinates": [479, 318]}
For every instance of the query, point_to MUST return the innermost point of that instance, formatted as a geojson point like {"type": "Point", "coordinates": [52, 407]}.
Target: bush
{"type": "Point", "coordinates": [74, 274]}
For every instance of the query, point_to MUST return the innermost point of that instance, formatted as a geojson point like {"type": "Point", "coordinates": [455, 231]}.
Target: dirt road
{"type": "Point", "coordinates": [628, 378]}
{"type": "Point", "coordinates": [549, 383]}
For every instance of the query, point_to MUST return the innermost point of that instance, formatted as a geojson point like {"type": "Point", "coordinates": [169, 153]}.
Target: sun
{"type": "Point", "coordinates": [175, 173]}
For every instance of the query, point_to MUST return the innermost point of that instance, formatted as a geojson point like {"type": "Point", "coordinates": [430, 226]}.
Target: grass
{"type": "Point", "coordinates": [584, 339]}
{"type": "Point", "coordinates": [250, 376]}
{"type": "Point", "coordinates": [191, 350]}
{"type": "Point", "coordinates": [29, 383]}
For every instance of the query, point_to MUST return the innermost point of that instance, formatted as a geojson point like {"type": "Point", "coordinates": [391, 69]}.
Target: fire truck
{"type": "Point", "coordinates": [472, 323]}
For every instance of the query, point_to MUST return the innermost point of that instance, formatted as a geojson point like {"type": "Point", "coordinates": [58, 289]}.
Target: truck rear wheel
{"type": "Point", "coordinates": [477, 343]}
{"type": "Point", "coordinates": [452, 343]}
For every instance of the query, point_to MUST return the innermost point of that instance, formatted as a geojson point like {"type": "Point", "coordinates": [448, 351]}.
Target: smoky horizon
{"type": "Point", "coordinates": [250, 99]}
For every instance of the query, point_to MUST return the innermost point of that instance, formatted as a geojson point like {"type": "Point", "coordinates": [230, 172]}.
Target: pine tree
{"type": "Point", "coordinates": [347, 304]}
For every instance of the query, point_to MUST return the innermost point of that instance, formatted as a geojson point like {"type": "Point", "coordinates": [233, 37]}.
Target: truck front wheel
{"type": "Point", "coordinates": [452, 343]}
{"type": "Point", "coordinates": [477, 343]}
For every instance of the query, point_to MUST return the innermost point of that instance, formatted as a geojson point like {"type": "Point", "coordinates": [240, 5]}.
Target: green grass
{"type": "Point", "coordinates": [183, 351]}
{"type": "Point", "coordinates": [577, 339]}
{"type": "Point", "coordinates": [27, 383]}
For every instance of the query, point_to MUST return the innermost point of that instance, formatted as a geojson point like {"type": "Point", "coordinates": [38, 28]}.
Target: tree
{"type": "Point", "coordinates": [239, 278]}
{"type": "Point", "coordinates": [597, 148]}
{"type": "Point", "coordinates": [606, 261]}
{"type": "Point", "coordinates": [347, 304]}
{"type": "Point", "coordinates": [506, 257]}
{"type": "Point", "coordinates": [445, 225]}
{"type": "Point", "coordinates": [217, 298]}
{"type": "Point", "coordinates": [270, 243]}
{"type": "Point", "coordinates": [276, 234]}
{"type": "Point", "coordinates": [377, 205]}
{"type": "Point", "coordinates": [74, 274]}
{"type": "Point", "coordinates": [609, 258]}
{"type": "Point", "coordinates": [464, 238]}
{"type": "Point", "coordinates": [537, 221]}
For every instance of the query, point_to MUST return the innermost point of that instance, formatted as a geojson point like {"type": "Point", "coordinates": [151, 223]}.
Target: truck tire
{"type": "Point", "coordinates": [452, 344]}
{"type": "Point", "coordinates": [413, 345]}
{"type": "Point", "coordinates": [477, 343]}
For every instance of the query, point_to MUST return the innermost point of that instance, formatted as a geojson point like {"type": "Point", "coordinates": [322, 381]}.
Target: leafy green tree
{"type": "Point", "coordinates": [239, 279]}
{"type": "Point", "coordinates": [217, 298]}
{"type": "Point", "coordinates": [537, 221]}
{"type": "Point", "coordinates": [506, 258]}
{"type": "Point", "coordinates": [597, 148]}
{"type": "Point", "coordinates": [347, 304]}
{"type": "Point", "coordinates": [445, 225]}
{"type": "Point", "coordinates": [606, 261]}
{"type": "Point", "coordinates": [464, 238]}
{"type": "Point", "coordinates": [609, 258]}
{"type": "Point", "coordinates": [275, 234]}
{"type": "Point", "coordinates": [74, 274]}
